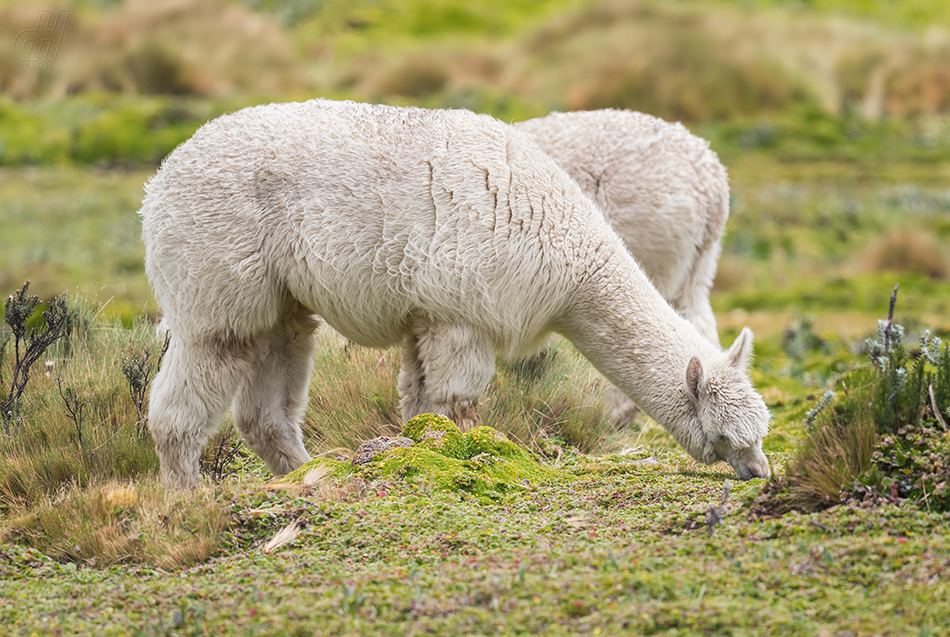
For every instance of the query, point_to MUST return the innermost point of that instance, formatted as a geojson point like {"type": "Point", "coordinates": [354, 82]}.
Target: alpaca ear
{"type": "Point", "coordinates": [740, 353]}
{"type": "Point", "coordinates": [694, 377]}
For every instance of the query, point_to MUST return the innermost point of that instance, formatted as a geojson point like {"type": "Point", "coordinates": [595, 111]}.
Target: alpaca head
{"type": "Point", "coordinates": [732, 416]}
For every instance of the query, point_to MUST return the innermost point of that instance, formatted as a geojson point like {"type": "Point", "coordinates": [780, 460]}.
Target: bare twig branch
{"type": "Point", "coordinates": [716, 514]}
{"type": "Point", "coordinates": [74, 406]}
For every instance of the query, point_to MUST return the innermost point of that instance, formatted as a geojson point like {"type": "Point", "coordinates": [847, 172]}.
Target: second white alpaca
{"type": "Point", "coordinates": [444, 231]}
{"type": "Point", "coordinates": [661, 188]}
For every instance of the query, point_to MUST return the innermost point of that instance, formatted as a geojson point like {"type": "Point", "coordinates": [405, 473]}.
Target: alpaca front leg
{"type": "Point", "coordinates": [454, 365]}
{"type": "Point", "coordinates": [464, 413]}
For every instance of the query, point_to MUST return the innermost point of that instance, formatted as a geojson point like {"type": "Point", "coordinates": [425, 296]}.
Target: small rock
{"type": "Point", "coordinates": [368, 451]}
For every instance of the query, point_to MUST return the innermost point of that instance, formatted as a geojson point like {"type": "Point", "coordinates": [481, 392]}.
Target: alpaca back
{"type": "Point", "coordinates": [661, 188]}
{"type": "Point", "coordinates": [367, 215]}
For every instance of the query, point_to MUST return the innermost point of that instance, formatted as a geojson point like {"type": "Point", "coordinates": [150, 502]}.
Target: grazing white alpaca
{"type": "Point", "coordinates": [661, 188]}
{"type": "Point", "coordinates": [445, 231]}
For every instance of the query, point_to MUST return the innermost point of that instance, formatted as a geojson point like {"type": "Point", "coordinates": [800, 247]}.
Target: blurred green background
{"type": "Point", "coordinates": [833, 118]}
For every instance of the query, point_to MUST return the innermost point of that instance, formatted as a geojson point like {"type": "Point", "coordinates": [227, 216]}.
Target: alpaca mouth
{"type": "Point", "coordinates": [753, 470]}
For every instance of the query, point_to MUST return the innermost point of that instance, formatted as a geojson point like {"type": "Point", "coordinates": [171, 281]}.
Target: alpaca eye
{"type": "Point", "coordinates": [721, 438]}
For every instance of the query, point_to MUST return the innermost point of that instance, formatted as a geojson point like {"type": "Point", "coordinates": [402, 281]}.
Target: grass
{"type": "Point", "coordinates": [621, 543]}
{"type": "Point", "coordinates": [619, 548]}
{"type": "Point", "coordinates": [132, 522]}
{"type": "Point", "coordinates": [49, 450]}
{"type": "Point", "coordinates": [555, 394]}
{"type": "Point", "coordinates": [699, 62]}
{"type": "Point", "coordinates": [75, 231]}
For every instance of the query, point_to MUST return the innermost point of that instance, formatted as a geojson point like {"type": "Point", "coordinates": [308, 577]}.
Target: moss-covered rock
{"type": "Point", "coordinates": [417, 425]}
{"type": "Point", "coordinates": [485, 440]}
{"type": "Point", "coordinates": [485, 476]}
{"type": "Point", "coordinates": [481, 462]}
{"type": "Point", "coordinates": [335, 468]}
{"type": "Point", "coordinates": [368, 451]}
{"type": "Point", "coordinates": [443, 436]}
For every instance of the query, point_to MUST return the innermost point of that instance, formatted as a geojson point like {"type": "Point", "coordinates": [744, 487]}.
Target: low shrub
{"type": "Point", "coordinates": [881, 436]}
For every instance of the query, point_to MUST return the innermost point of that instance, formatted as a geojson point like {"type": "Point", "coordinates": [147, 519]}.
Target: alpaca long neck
{"type": "Point", "coordinates": [622, 325]}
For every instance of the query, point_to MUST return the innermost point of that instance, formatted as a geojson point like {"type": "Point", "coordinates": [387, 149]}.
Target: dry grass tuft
{"type": "Point", "coordinates": [836, 452]}
{"type": "Point", "coordinates": [687, 61]}
{"type": "Point", "coordinates": [282, 538]}
{"type": "Point", "coordinates": [177, 47]}
{"type": "Point", "coordinates": [907, 250]}
{"type": "Point", "coordinates": [115, 522]}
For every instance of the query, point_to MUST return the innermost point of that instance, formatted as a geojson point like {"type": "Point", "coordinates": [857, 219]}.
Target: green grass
{"type": "Point", "coordinates": [623, 547]}
{"type": "Point", "coordinates": [622, 543]}
{"type": "Point", "coordinates": [912, 14]}
{"type": "Point", "coordinates": [76, 231]}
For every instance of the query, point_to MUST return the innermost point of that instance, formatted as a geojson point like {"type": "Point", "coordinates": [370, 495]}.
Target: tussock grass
{"type": "Point", "coordinates": [907, 250]}
{"type": "Point", "coordinates": [556, 394]}
{"type": "Point", "coordinates": [177, 48]}
{"type": "Point", "coordinates": [112, 522]}
{"type": "Point", "coordinates": [833, 454]}
{"type": "Point", "coordinates": [353, 394]}
{"type": "Point", "coordinates": [691, 61]}
{"type": "Point", "coordinates": [882, 438]}
{"type": "Point", "coordinates": [672, 60]}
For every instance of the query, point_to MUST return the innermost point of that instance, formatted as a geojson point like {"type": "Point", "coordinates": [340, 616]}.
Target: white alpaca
{"type": "Point", "coordinates": [661, 188]}
{"type": "Point", "coordinates": [445, 231]}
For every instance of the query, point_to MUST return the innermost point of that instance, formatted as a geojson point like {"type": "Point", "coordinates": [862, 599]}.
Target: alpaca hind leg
{"type": "Point", "coordinates": [457, 363]}
{"type": "Point", "coordinates": [271, 400]}
{"type": "Point", "coordinates": [188, 399]}
{"type": "Point", "coordinates": [692, 301]}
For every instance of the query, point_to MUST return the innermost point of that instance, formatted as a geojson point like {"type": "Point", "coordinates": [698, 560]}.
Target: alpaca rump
{"type": "Point", "coordinates": [447, 232]}
{"type": "Point", "coordinates": [659, 186]}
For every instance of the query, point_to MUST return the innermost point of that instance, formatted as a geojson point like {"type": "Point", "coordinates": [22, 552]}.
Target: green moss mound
{"type": "Point", "coordinates": [335, 469]}
{"type": "Point", "coordinates": [481, 462]}
{"type": "Point", "coordinates": [437, 433]}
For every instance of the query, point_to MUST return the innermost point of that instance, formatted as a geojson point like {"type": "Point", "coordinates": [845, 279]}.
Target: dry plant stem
{"type": "Point", "coordinates": [716, 514]}
{"type": "Point", "coordinates": [936, 410]}
{"type": "Point", "coordinates": [890, 319]}
{"type": "Point", "coordinates": [138, 371]}
{"type": "Point", "coordinates": [74, 407]}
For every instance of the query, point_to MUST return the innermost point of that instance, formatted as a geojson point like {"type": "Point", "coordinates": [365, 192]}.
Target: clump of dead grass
{"type": "Point", "coordinates": [907, 250]}
{"type": "Point", "coordinates": [832, 456]}
{"type": "Point", "coordinates": [210, 48]}
{"type": "Point", "coordinates": [112, 522]}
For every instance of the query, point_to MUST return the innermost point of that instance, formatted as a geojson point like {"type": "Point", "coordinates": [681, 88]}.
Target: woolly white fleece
{"type": "Point", "coordinates": [445, 231]}
{"type": "Point", "coordinates": [661, 188]}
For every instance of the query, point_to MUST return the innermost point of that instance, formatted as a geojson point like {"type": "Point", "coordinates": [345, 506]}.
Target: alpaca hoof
{"type": "Point", "coordinates": [465, 416]}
